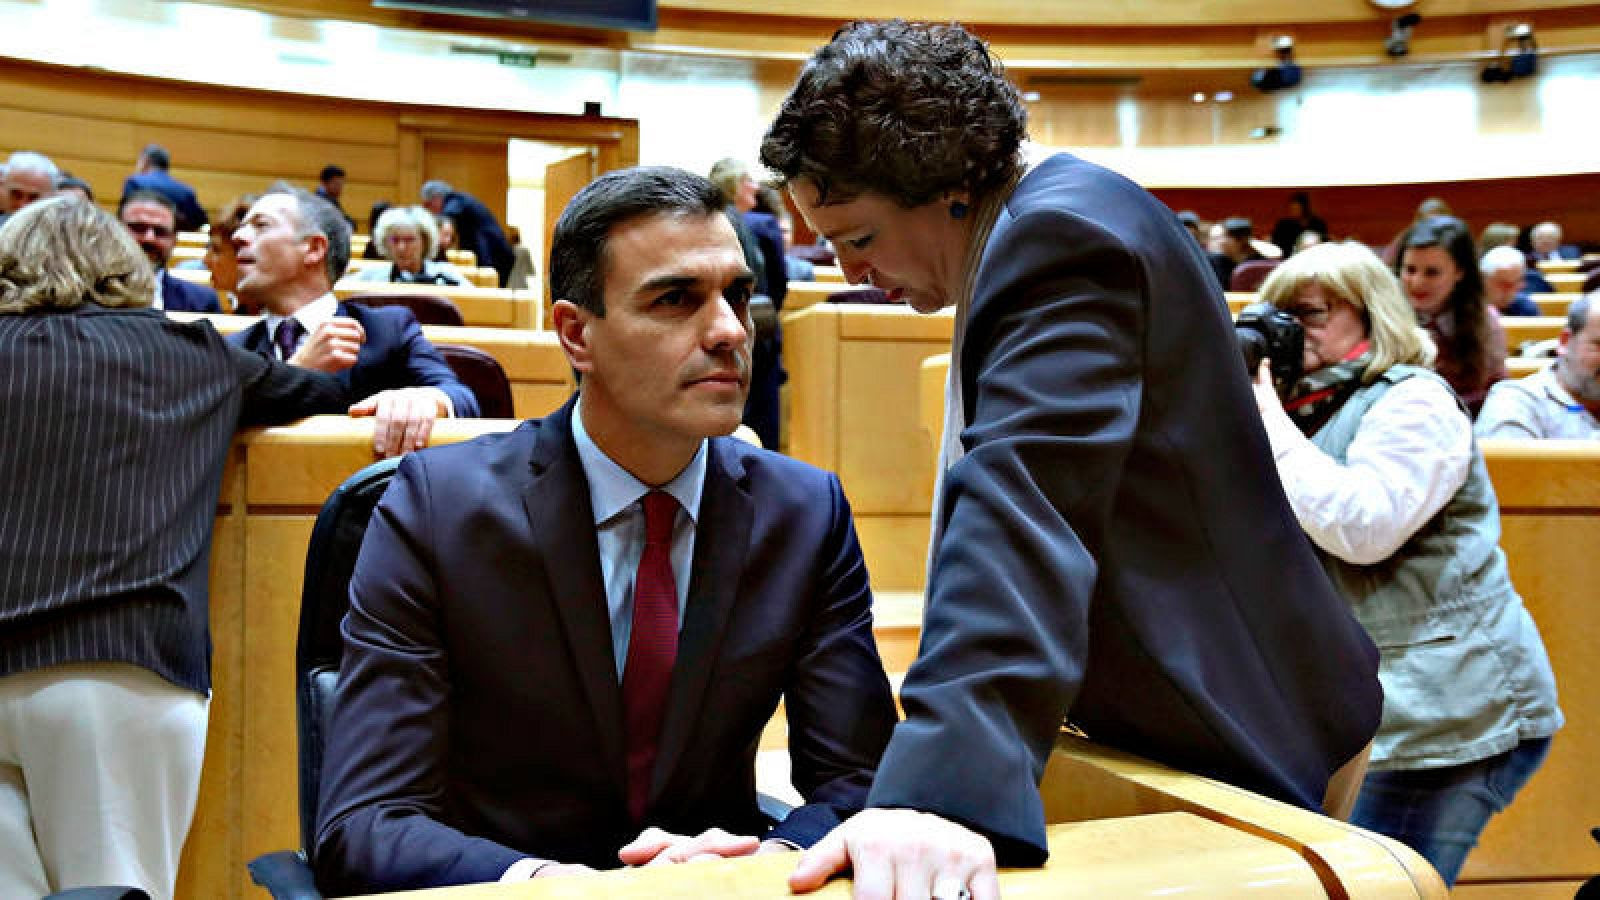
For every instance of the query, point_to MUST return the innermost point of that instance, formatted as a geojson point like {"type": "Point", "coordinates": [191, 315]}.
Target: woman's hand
{"type": "Point", "coordinates": [1266, 394]}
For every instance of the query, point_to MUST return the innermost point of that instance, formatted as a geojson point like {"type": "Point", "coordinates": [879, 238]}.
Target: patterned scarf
{"type": "Point", "coordinates": [1317, 396]}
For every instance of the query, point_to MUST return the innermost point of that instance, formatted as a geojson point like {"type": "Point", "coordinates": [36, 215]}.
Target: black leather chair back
{"type": "Point", "coordinates": [330, 560]}
{"type": "Point", "coordinates": [430, 309]}
{"type": "Point", "coordinates": [482, 374]}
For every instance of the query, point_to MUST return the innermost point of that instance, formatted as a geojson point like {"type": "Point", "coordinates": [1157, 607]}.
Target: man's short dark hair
{"type": "Point", "coordinates": [908, 110]}
{"type": "Point", "coordinates": [157, 156]}
{"type": "Point", "coordinates": [318, 216]}
{"type": "Point", "coordinates": [149, 196]}
{"type": "Point", "coordinates": [578, 245]}
{"type": "Point", "coordinates": [329, 172]}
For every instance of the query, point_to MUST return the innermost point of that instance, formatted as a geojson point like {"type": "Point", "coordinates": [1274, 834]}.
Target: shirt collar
{"type": "Point", "coordinates": [612, 489]}
{"type": "Point", "coordinates": [1558, 391]}
{"type": "Point", "coordinates": [311, 315]}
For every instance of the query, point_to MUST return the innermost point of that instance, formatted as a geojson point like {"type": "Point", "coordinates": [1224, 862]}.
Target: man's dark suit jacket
{"type": "Point", "coordinates": [178, 295]}
{"type": "Point", "coordinates": [395, 355]}
{"type": "Point", "coordinates": [1118, 527]}
{"type": "Point", "coordinates": [479, 716]}
{"type": "Point", "coordinates": [191, 216]}
{"type": "Point", "coordinates": [118, 423]}
{"type": "Point", "coordinates": [478, 231]}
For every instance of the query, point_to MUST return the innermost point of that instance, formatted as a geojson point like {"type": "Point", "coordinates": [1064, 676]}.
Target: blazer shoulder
{"type": "Point", "coordinates": [253, 337]}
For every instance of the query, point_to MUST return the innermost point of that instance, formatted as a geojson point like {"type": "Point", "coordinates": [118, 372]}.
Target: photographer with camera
{"type": "Point", "coordinates": [1378, 460]}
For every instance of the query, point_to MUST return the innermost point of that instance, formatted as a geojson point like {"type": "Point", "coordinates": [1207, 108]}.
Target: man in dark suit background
{"type": "Point", "coordinates": [521, 692]}
{"type": "Point", "coordinates": [291, 248]}
{"type": "Point", "coordinates": [152, 220]}
{"type": "Point", "coordinates": [151, 175]}
{"type": "Point", "coordinates": [476, 228]}
{"type": "Point", "coordinates": [118, 422]}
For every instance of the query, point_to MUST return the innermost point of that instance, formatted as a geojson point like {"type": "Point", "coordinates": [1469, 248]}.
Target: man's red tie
{"type": "Point", "coordinates": [652, 648]}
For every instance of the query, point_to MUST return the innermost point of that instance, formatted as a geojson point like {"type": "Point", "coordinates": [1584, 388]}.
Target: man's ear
{"type": "Point", "coordinates": [571, 325]}
{"type": "Point", "coordinates": [316, 255]}
{"type": "Point", "coordinates": [1562, 341]}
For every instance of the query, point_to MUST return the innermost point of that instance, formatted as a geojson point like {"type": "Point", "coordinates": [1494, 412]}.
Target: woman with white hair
{"type": "Point", "coordinates": [408, 237]}
{"type": "Point", "coordinates": [1377, 458]}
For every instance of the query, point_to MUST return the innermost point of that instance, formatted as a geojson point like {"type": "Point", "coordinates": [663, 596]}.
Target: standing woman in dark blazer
{"type": "Point", "coordinates": [1110, 544]}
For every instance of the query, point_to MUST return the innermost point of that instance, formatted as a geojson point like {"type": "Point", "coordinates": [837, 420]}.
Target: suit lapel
{"type": "Point", "coordinates": [720, 547]}
{"type": "Point", "coordinates": [561, 522]}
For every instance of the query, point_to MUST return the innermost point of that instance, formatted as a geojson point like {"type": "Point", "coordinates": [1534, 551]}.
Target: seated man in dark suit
{"type": "Point", "coordinates": [151, 175]}
{"type": "Point", "coordinates": [522, 693]}
{"type": "Point", "coordinates": [153, 221]}
{"type": "Point", "coordinates": [292, 247]}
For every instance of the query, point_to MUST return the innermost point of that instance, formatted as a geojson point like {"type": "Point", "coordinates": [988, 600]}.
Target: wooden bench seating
{"type": "Point", "coordinates": [486, 306]}
{"type": "Point", "coordinates": [537, 369]}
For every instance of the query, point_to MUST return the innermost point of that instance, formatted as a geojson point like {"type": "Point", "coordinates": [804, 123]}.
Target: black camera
{"type": "Point", "coordinates": [1267, 332]}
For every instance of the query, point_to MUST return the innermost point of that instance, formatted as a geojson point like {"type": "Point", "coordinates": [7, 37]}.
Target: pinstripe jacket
{"type": "Point", "coordinates": [116, 427]}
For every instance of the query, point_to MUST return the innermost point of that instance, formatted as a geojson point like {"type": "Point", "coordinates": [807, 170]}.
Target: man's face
{"type": "Point", "coordinates": [24, 187]}
{"type": "Point", "coordinates": [271, 252]}
{"type": "Point", "coordinates": [154, 230]}
{"type": "Point", "coordinates": [334, 186]}
{"type": "Point", "coordinates": [435, 204]}
{"type": "Point", "coordinates": [1545, 240]}
{"type": "Point", "coordinates": [1580, 362]}
{"type": "Point", "coordinates": [1501, 285]}
{"type": "Point", "coordinates": [669, 362]}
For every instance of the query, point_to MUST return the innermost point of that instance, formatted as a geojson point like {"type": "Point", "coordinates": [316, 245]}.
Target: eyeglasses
{"type": "Point", "coordinates": [1310, 316]}
{"type": "Point", "coordinates": [160, 231]}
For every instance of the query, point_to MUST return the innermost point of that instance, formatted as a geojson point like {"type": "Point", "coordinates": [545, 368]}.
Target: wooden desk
{"type": "Point", "coordinates": [1121, 827]}
{"type": "Point", "coordinates": [853, 395]}
{"type": "Point", "coordinates": [487, 306]}
{"type": "Point", "coordinates": [1521, 329]}
{"type": "Point", "coordinates": [537, 369]}
{"type": "Point", "coordinates": [829, 274]}
{"type": "Point", "coordinates": [1566, 283]}
{"type": "Point", "coordinates": [1559, 266]}
{"type": "Point", "coordinates": [805, 294]}
{"type": "Point", "coordinates": [477, 276]}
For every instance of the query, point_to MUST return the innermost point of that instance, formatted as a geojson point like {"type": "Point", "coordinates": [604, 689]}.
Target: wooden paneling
{"type": "Point", "coordinates": [229, 141]}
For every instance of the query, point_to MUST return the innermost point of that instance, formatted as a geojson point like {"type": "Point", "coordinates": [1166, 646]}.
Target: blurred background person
{"type": "Point", "coordinates": [408, 238]}
{"type": "Point", "coordinates": [1438, 268]}
{"type": "Point", "coordinates": [762, 241]}
{"type": "Point", "coordinates": [1561, 401]}
{"type": "Point", "coordinates": [29, 177]}
{"type": "Point", "coordinates": [1504, 270]}
{"type": "Point", "coordinates": [151, 173]}
{"type": "Point", "coordinates": [1379, 463]}
{"type": "Point", "coordinates": [222, 261]}
{"type": "Point", "coordinates": [476, 228]}
{"type": "Point", "coordinates": [1287, 230]}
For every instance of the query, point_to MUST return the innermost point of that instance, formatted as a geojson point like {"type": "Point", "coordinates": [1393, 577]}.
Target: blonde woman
{"type": "Point", "coordinates": [409, 239]}
{"type": "Point", "coordinates": [1377, 458]}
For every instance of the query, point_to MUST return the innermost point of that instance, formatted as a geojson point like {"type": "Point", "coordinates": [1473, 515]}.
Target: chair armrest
{"type": "Point", "coordinates": [286, 875]}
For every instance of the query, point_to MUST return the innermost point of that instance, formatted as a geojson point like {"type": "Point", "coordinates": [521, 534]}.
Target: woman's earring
{"type": "Point", "coordinates": [958, 210]}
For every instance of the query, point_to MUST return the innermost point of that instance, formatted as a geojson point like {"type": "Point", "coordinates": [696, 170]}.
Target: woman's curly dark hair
{"type": "Point", "coordinates": [909, 110]}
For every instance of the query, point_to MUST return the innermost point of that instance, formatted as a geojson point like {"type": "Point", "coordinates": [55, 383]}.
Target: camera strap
{"type": "Point", "coordinates": [1318, 395]}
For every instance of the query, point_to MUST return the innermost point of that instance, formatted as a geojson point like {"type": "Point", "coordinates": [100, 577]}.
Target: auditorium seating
{"type": "Point", "coordinates": [1248, 275]}
{"type": "Point", "coordinates": [487, 307]}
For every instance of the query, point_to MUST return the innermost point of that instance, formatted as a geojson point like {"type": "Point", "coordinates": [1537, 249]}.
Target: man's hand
{"type": "Point", "coordinates": [655, 847]}
{"type": "Point", "coordinates": [332, 348]}
{"type": "Point", "coordinates": [404, 418]}
{"type": "Point", "coordinates": [902, 853]}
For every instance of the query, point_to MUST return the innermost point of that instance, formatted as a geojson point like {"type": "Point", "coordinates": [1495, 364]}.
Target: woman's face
{"type": "Point", "coordinates": [1333, 327]}
{"type": "Point", "coordinates": [221, 262]}
{"type": "Point", "coordinates": [405, 248]}
{"type": "Point", "coordinates": [916, 255]}
{"type": "Point", "coordinates": [1428, 275]}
